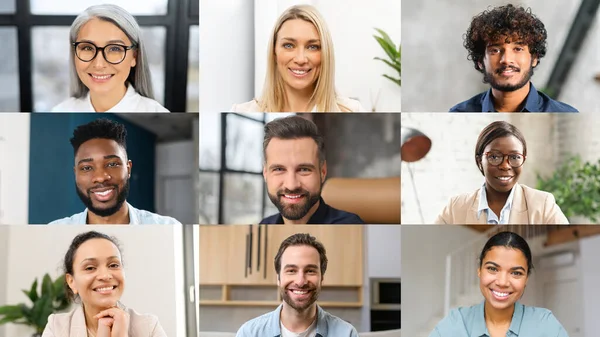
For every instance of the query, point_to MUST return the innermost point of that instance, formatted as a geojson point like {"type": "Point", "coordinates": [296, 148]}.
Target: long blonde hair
{"type": "Point", "coordinates": [324, 95]}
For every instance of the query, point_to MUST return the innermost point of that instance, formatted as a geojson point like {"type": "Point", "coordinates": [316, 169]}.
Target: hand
{"type": "Point", "coordinates": [104, 327]}
{"type": "Point", "coordinates": [120, 321]}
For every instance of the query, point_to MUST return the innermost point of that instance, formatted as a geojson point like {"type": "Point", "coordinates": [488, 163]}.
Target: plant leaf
{"type": "Point", "coordinates": [32, 293]}
{"type": "Point", "coordinates": [41, 310]}
{"type": "Point", "coordinates": [10, 310]}
{"type": "Point", "coordinates": [395, 80]}
{"type": "Point", "coordinates": [395, 66]}
{"type": "Point", "coordinates": [47, 288]}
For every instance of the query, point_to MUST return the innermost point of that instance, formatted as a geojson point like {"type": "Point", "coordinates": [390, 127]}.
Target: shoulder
{"type": "Point", "coordinates": [272, 219]}
{"type": "Point", "coordinates": [337, 326]}
{"type": "Point", "coordinates": [541, 317]}
{"type": "Point", "coordinates": [74, 219]}
{"type": "Point", "coordinates": [71, 104]}
{"type": "Point", "coordinates": [144, 324]}
{"type": "Point", "coordinates": [535, 193]}
{"type": "Point", "coordinates": [551, 105]}
{"type": "Point", "coordinates": [473, 104]}
{"type": "Point", "coordinates": [454, 324]}
{"type": "Point", "coordinates": [256, 326]}
{"type": "Point", "coordinates": [143, 104]}
{"type": "Point", "coordinates": [58, 324]}
{"type": "Point", "coordinates": [464, 199]}
{"type": "Point", "coordinates": [149, 218]}
{"type": "Point", "coordinates": [337, 216]}
{"type": "Point", "coordinates": [351, 104]}
{"type": "Point", "coordinates": [251, 106]}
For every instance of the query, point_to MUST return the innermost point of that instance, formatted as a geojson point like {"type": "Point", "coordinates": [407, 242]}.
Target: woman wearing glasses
{"type": "Point", "coordinates": [500, 153]}
{"type": "Point", "coordinates": [109, 70]}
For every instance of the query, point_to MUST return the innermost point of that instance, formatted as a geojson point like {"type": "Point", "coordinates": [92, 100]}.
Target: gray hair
{"type": "Point", "coordinates": [139, 76]}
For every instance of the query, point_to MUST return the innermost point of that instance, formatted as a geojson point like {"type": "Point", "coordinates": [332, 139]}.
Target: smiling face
{"type": "Point", "coordinates": [293, 175]}
{"type": "Point", "coordinates": [99, 76]}
{"type": "Point", "coordinates": [503, 177]}
{"type": "Point", "coordinates": [503, 276]}
{"type": "Point", "coordinates": [508, 66]}
{"type": "Point", "coordinates": [98, 276]}
{"type": "Point", "coordinates": [102, 174]}
{"type": "Point", "coordinates": [298, 54]}
{"type": "Point", "coordinates": [300, 278]}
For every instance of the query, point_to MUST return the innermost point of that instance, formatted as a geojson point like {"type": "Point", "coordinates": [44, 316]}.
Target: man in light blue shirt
{"type": "Point", "coordinates": [300, 265]}
{"type": "Point", "coordinates": [102, 171]}
{"type": "Point", "coordinates": [526, 322]}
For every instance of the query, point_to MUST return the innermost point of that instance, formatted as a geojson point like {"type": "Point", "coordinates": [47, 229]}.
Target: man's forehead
{"type": "Point", "coordinates": [505, 39]}
{"type": "Point", "coordinates": [100, 146]}
{"type": "Point", "coordinates": [295, 146]}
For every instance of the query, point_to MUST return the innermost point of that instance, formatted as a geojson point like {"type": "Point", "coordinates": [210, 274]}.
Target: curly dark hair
{"type": "Point", "coordinates": [504, 22]}
{"type": "Point", "coordinates": [100, 128]}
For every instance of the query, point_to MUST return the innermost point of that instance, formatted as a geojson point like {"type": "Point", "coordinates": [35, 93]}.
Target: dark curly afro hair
{"type": "Point", "coordinates": [504, 22]}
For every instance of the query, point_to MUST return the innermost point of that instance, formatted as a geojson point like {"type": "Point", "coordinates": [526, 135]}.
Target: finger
{"type": "Point", "coordinates": [106, 321]}
{"type": "Point", "coordinates": [112, 312]}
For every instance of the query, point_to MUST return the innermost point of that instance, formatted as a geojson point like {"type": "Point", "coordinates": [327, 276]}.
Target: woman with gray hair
{"type": "Point", "coordinates": [108, 66]}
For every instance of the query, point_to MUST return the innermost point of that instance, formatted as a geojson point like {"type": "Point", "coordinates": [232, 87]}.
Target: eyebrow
{"type": "Point", "coordinates": [314, 266]}
{"type": "Point", "coordinates": [295, 41]}
{"type": "Point", "coordinates": [513, 268]}
{"type": "Point", "coordinates": [88, 160]}
{"type": "Point", "coordinates": [498, 44]}
{"type": "Point", "coordinates": [93, 259]}
{"type": "Point", "coordinates": [303, 165]}
{"type": "Point", "coordinates": [108, 42]}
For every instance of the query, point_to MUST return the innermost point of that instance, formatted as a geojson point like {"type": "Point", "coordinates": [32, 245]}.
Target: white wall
{"type": "Point", "coordinates": [14, 168]}
{"type": "Point", "coordinates": [226, 53]}
{"type": "Point", "coordinates": [352, 24]}
{"type": "Point", "coordinates": [424, 250]}
{"type": "Point", "coordinates": [590, 250]}
{"type": "Point", "coordinates": [437, 74]}
{"type": "Point", "coordinates": [151, 258]}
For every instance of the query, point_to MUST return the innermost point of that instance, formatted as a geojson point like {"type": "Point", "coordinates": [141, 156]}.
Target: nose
{"type": "Point", "coordinates": [505, 165]}
{"type": "Point", "coordinates": [101, 175]}
{"type": "Point", "coordinates": [99, 61]}
{"type": "Point", "coordinates": [300, 279]}
{"type": "Point", "coordinates": [104, 273]}
{"type": "Point", "coordinates": [507, 57]}
{"type": "Point", "coordinates": [300, 56]}
{"type": "Point", "coordinates": [291, 181]}
{"type": "Point", "coordinates": [502, 280]}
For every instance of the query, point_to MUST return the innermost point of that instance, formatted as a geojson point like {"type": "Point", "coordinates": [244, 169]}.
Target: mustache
{"type": "Point", "coordinates": [501, 69]}
{"type": "Point", "coordinates": [296, 191]}
{"type": "Point", "coordinates": [116, 187]}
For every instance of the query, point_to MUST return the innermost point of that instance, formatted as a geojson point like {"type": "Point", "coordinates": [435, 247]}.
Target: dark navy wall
{"type": "Point", "coordinates": [51, 178]}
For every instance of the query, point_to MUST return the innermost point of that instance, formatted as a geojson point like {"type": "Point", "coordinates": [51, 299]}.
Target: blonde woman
{"type": "Point", "coordinates": [301, 68]}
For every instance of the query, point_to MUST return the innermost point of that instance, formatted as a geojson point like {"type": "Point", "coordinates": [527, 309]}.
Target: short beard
{"type": "Point", "coordinates": [489, 78]}
{"type": "Point", "coordinates": [104, 212]}
{"type": "Point", "coordinates": [300, 308]}
{"type": "Point", "coordinates": [295, 212]}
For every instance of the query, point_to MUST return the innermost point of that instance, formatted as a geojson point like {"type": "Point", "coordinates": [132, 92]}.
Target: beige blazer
{"type": "Point", "coordinates": [252, 106]}
{"type": "Point", "coordinates": [72, 324]}
{"type": "Point", "coordinates": [529, 206]}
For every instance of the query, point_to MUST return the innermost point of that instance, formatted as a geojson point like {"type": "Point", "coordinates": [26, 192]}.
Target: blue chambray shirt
{"type": "Point", "coordinates": [136, 217]}
{"type": "Point", "coordinates": [267, 325]}
{"type": "Point", "coordinates": [536, 101]}
{"type": "Point", "coordinates": [526, 322]}
{"type": "Point", "coordinates": [492, 218]}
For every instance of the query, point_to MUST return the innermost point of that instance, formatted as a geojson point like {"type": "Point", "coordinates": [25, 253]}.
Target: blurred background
{"type": "Point", "coordinates": [241, 49]}
{"type": "Point", "coordinates": [232, 188]}
{"type": "Point", "coordinates": [37, 182]}
{"type": "Point", "coordinates": [439, 273]}
{"type": "Point", "coordinates": [154, 257]}
{"type": "Point", "coordinates": [437, 74]}
{"type": "Point", "coordinates": [361, 284]}
{"type": "Point", "coordinates": [563, 158]}
{"type": "Point", "coordinates": [35, 68]}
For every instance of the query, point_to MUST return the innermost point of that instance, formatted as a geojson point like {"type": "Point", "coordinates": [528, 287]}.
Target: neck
{"type": "Point", "coordinates": [495, 197]}
{"type": "Point", "coordinates": [90, 322]}
{"type": "Point", "coordinates": [106, 101]}
{"type": "Point", "coordinates": [119, 217]}
{"type": "Point", "coordinates": [498, 317]}
{"type": "Point", "coordinates": [510, 101]}
{"type": "Point", "coordinates": [305, 218]}
{"type": "Point", "coordinates": [298, 100]}
{"type": "Point", "coordinates": [298, 321]}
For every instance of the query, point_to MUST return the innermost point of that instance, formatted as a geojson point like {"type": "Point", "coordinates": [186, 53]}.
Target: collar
{"type": "Point", "coordinates": [134, 218]}
{"type": "Point", "coordinates": [483, 204]}
{"type": "Point", "coordinates": [317, 218]}
{"type": "Point", "coordinates": [275, 320]}
{"type": "Point", "coordinates": [531, 101]}
{"type": "Point", "coordinates": [480, 329]}
{"type": "Point", "coordinates": [128, 93]}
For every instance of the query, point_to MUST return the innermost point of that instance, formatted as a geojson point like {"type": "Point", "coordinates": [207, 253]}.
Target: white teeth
{"type": "Point", "coordinates": [500, 294]}
{"type": "Point", "coordinates": [292, 196]}
{"type": "Point", "coordinates": [504, 178]}
{"type": "Point", "coordinates": [104, 193]}
{"type": "Point", "coordinates": [299, 72]}
{"type": "Point", "coordinates": [104, 77]}
{"type": "Point", "coordinates": [104, 289]}
{"type": "Point", "coordinates": [298, 292]}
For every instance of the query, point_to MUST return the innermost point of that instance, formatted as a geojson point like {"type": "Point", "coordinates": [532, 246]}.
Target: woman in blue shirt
{"type": "Point", "coordinates": [504, 268]}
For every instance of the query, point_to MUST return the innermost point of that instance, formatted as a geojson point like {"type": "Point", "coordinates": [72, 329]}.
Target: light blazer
{"type": "Point", "coordinates": [529, 206]}
{"type": "Point", "coordinates": [72, 324]}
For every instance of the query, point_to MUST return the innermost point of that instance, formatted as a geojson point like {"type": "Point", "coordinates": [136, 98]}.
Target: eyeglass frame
{"type": "Point", "coordinates": [504, 156]}
{"type": "Point", "coordinates": [75, 44]}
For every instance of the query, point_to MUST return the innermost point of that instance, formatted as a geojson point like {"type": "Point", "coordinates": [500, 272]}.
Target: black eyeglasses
{"type": "Point", "coordinates": [496, 158]}
{"type": "Point", "coordinates": [113, 53]}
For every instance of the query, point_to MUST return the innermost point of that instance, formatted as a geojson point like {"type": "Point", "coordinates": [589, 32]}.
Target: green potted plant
{"type": "Point", "coordinates": [576, 187]}
{"type": "Point", "coordinates": [52, 299]}
{"type": "Point", "coordinates": [392, 52]}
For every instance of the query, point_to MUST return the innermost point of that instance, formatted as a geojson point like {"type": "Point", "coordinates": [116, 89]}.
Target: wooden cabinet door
{"type": "Point", "coordinates": [214, 254]}
{"type": "Point", "coordinates": [259, 273]}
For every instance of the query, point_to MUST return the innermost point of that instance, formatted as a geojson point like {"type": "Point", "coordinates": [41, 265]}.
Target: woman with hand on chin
{"type": "Point", "coordinates": [300, 68]}
{"type": "Point", "coordinates": [500, 153]}
{"type": "Point", "coordinates": [95, 281]}
{"type": "Point", "coordinates": [505, 264]}
{"type": "Point", "coordinates": [109, 69]}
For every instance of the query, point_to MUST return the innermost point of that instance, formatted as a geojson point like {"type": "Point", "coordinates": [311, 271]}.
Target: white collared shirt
{"type": "Point", "coordinates": [131, 102]}
{"type": "Point", "coordinates": [492, 218]}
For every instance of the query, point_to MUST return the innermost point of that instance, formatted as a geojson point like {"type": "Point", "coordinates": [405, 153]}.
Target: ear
{"type": "Point", "coordinates": [129, 165]}
{"type": "Point", "coordinates": [134, 60]}
{"type": "Point", "coordinates": [278, 281]}
{"type": "Point", "coordinates": [534, 62]}
{"type": "Point", "coordinates": [479, 272]}
{"type": "Point", "coordinates": [478, 160]}
{"type": "Point", "coordinates": [480, 65]}
{"type": "Point", "coordinates": [71, 283]}
{"type": "Point", "coordinates": [323, 172]}
{"type": "Point", "coordinates": [265, 172]}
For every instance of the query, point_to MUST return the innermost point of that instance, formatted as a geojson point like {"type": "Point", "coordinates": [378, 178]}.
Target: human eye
{"type": "Point", "coordinates": [85, 168]}
{"type": "Point", "coordinates": [89, 268]}
{"type": "Point", "coordinates": [116, 48]}
{"type": "Point", "coordinates": [113, 164]}
{"type": "Point", "coordinates": [114, 265]}
{"type": "Point", "coordinates": [314, 47]}
{"type": "Point", "coordinates": [287, 45]}
{"type": "Point", "coordinates": [515, 156]}
{"type": "Point", "coordinates": [492, 269]}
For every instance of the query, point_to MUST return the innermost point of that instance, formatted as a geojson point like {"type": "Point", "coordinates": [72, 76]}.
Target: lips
{"type": "Point", "coordinates": [300, 293]}
{"type": "Point", "coordinates": [292, 198]}
{"type": "Point", "coordinates": [508, 71]}
{"type": "Point", "coordinates": [101, 78]}
{"type": "Point", "coordinates": [103, 194]}
{"type": "Point", "coordinates": [299, 73]}
{"type": "Point", "coordinates": [500, 295]}
{"type": "Point", "coordinates": [105, 289]}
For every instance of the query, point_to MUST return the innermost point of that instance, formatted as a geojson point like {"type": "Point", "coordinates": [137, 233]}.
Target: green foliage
{"type": "Point", "coordinates": [393, 54]}
{"type": "Point", "coordinates": [576, 187]}
{"type": "Point", "coordinates": [52, 299]}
